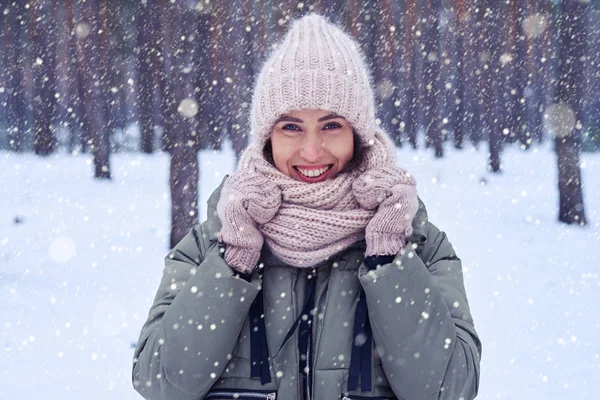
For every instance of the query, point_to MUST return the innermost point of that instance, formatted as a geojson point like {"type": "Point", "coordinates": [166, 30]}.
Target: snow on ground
{"type": "Point", "coordinates": [78, 272]}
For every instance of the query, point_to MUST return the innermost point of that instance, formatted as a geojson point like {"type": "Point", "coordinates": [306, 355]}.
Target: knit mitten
{"type": "Point", "coordinates": [247, 200]}
{"type": "Point", "coordinates": [393, 193]}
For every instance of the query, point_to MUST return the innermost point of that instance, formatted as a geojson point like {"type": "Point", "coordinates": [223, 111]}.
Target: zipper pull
{"type": "Point", "coordinates": [271, 396]}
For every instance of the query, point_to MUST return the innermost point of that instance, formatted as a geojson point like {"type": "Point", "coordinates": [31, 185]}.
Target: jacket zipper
{"type": "Point", "coordinates": [309, 365]}
{"type": "Point", "coordinates": [308, 388]}
{"type": "Point", "coordinates": [236, 394]}
{"type": "Point", "coordinates": [352, 397]}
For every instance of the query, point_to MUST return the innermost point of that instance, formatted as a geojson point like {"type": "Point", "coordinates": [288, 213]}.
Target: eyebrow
{"type": "Point", "coordinates": [293, 119]}
{"type": "Point", "coordinates": [330, 116]}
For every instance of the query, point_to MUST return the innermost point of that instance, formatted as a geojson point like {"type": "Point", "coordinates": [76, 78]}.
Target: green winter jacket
{"type": "Point", "coordinates": [196, 342]}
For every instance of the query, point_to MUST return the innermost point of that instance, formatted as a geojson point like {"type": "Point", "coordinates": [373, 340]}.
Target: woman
{"type": "Point", "coordinates": [317, 274]}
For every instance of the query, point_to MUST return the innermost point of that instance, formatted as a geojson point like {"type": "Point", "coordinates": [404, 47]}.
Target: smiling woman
{"type": "Point", "coordinates": [317, 257]}
{"type": "Point", "coordinates": [311, 145]}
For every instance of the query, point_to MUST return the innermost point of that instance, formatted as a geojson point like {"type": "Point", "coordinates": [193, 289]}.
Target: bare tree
{"type": "Point", "coordinates": [408, 70]}
{"type": "Point", "coordinates": [546, 69]}
{"type": "Point", "coordinates": [464, 81]}
{"type": "Point", "coordinates": [109, 68]}
{"type": "Point", "coordinates": [518, 113]}
{"type": "Point", "coordinates": [13, 60]}
{"type": "Point", "coordinates": [563, 117]}
{"type": "Point", "coordinates": [215, 91]}
{"type": "Point", "coordinates": [75, 92]}
{"type": "Point", "coordinates": [181, 109]}
{"type": "Point", "coordinates": [477, 63]}
{"type": "Point", "coordinates": [63, 59]}
{"type": "Point", "coordinates": [42, 32]}
{"type": "Point", "coordinates": [146, 63]}
{"type": "Point", "coordinates": [429, 25]}
{"type": "Point", "coordinates": [492, 75]}
{"type": "Point", "coordinates": [239, 26]}
{"type": "Point", "coordinates": [209, 135]}
{"type": "Point", "coordinates": [385, 66]}
{"type": "Point", "coordinates": [534, 25]}
{"type": "Point", "coordinates": [164, 27]}
{"type": "Point", "coordinates": [86, 31]}
{"type": "Point", "coordinates": [591, 116]}
{"type": "Point", "coordinates": [448, 68]}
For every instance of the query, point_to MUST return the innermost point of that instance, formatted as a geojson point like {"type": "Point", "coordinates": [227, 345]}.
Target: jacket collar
{"type": "Point", "coordinates": [419, 225]}
{"type": "Point", "coordinates": [213, 225]}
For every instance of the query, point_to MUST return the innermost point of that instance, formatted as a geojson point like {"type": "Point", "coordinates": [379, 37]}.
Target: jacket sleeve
{"type": "Point", "coordinates": [194, 324]}
{"type": "Point", "coordinates": [421, 323]}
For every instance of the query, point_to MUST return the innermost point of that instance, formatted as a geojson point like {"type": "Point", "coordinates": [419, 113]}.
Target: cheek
{"type": "Point", "coordinates": [281, 154]}
{"type": "Point", "coordinates": [344, 150]}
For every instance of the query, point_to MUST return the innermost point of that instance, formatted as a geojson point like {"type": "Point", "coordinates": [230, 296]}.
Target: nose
{"type": "Point", "coordinates": [312, 148]}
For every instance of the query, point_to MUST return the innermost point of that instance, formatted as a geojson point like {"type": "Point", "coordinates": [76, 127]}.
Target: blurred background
{"type": "Point", "coordinates": [104, 76]}
{"type": "Point", "coordinates": [118, 119]}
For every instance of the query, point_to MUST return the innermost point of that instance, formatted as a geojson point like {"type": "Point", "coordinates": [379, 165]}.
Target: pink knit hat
{"type": "Point", "coordinates": [317, 66]}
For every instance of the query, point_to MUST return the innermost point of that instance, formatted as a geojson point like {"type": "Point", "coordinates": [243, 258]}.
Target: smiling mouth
{"type": "Point", "coordinates": [313, 173]}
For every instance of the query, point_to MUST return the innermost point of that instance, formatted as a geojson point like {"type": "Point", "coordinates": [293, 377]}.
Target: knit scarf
{"type": "Point", "coordinates": [316, 220]}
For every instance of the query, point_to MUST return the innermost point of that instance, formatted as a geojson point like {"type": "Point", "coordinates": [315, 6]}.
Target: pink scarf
{"type": "Point", "coordinates": [317, 220]}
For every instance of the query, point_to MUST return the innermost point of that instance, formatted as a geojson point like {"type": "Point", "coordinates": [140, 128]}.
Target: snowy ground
{"type": "Point", "coordinates": [80, 269]}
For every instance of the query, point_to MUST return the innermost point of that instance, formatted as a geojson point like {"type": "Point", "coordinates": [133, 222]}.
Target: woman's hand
{"type": "Point", "coordinates": [393, 193]}
{"type": "Point", "coordinates": [247, 200]}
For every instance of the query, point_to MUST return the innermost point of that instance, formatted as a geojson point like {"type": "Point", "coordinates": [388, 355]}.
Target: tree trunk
{"type": "Point", "coordinates": [158, 66]}
{"type": "Point", "coordinates": [166, 32]}
{"type": "Point", "coordinates": [463, 124]}
{"type": "Point", "coordinates": [207, 137]}
{"type": "Point", "coordinates": [73, 102]}
{"type": "Point", "coordinates": [216, 122]}
{"type": "Point", "coordinates": [110, 72]}
{"type": "Point", "coordinates": [181, 123]}
{"type": "Point", "coordinates": [565, 114]}
{"type": "Point", "coordinates": [86, 31]}
{"type": "Point", "coordinates": [448, 68]}
{"type": "Point", "coordinates": [86, 131]}
{"type": "Point", "coordinates": [146, 49]}
{"type": "Point", "coordinates": [476, 61]}
{"type": "Point", "coordinates": [41, 16]}
{"type": "Point", "coordinates": [506, 61]}
{"type": "Point", "coordinates": [593, 113]}
{"type": "Point", "coordinates": [546, 53]}
{"type": "Point", "coordinates": [241, 74]}
{"type": "Point", "coordinates": [592, 88]}
{"type": "Point", "coordinates": [482, 66]}
{"type": "Point", "coordinates": [493, 75]}
{"type": "Point", "coordinates": [385, 66]}
{"type": "Point", "coordinates": [430, 29]}
{"type": "Point", "coordinates": [519, 111]}
{"type": "Point", "coordinates": [533, 26]}
{"type": "Point", "coordinates": [13, 59]}
{"type": "Point", "coordinates": [409, 55]}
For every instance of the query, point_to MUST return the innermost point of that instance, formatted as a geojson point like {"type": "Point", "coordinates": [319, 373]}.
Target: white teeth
{"type": "Point", "coordinates": [312, 173]}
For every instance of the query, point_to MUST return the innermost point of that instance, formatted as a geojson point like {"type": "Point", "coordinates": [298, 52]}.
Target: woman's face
{"type": "Point", "coordinates": [311, 145]}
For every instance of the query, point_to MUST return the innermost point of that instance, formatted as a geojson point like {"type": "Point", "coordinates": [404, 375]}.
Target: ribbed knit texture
{"type": "Point", "coordinates": [318, 66]}
{"type": "Point", "coordinates": [247, 199]}
{"type": "Point", "coordinates": [315, 220]}
{"type": "Point", "coordinates": [393, 193]}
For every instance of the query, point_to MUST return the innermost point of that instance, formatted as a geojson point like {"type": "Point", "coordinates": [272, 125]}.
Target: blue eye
{"type": "Point", "coordinates": [332, 125]}
{"type": "Point", "coordinates": [290, 127]}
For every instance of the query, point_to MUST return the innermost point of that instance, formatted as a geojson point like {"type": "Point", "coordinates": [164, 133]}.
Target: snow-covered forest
{"type": "Point", "coordinates": [119, 118]}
